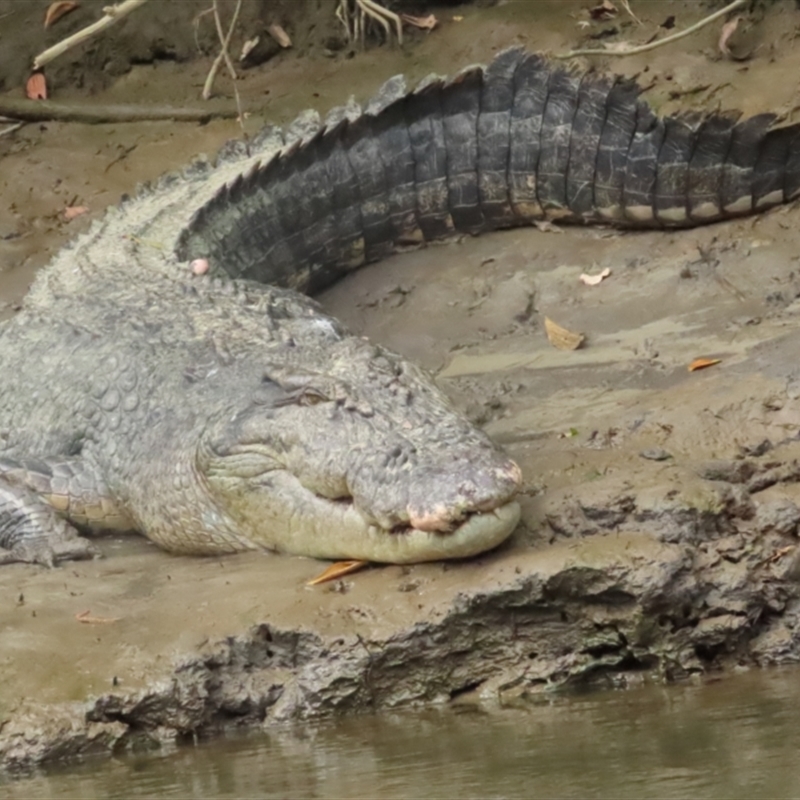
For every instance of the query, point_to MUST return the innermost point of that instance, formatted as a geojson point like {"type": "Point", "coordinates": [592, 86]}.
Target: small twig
{"type": "Point", "coordinates": [225, 38]}
{"type": "Point", "coordinates": [343, 15]}
{"type": "Point", "coordinates": [384, 16]}
{"type": "Point", "coordinates": [225, 55]}
{"type": "Point", "coordinates": [44, 110]}
{"type": "Point", "coordinates": [627, 6]}
{"type": "Point", "coordinates": [11, 129]}
{"type": "Point", "coordinates": [112, 14]}
{"type": "Point", "coordinates": [196, 26]}
{"type": "Point", "coordinates": [121, 157]}
{"type": "Point", "coordinates": [659, 42]}
{"type": "Point", "coordinates": [87, 618]}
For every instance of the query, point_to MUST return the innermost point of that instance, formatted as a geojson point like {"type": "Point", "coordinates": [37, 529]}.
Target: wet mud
{"type": "Point", "coordinates": [660, 507]}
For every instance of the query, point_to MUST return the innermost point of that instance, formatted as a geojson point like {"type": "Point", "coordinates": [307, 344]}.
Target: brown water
{"type": "Point", "coordinates": [733, 738]}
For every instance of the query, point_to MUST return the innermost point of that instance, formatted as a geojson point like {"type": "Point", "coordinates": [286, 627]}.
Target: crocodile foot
{"type": "Point", "coordinates": [48, 553]}
{"type": "Point", "coordinates": [32, 532]}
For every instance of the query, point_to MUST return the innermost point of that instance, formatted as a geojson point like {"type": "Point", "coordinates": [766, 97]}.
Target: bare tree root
{"type": "Point", "coordinates": [355, 19]}
{"type": "Point", "coordinates": [112, 14]}
{"type": "Point", "coordinates": [609, 51]}
{"type": "Point", "coordinates": [45, 110]}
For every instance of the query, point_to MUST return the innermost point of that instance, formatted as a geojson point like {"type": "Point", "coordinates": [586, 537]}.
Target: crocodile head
{"type": "Point", "coordinates": [357, 454]}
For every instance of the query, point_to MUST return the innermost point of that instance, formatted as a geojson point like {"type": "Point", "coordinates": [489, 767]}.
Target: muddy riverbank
{"type": "Point", "coordinates": [660, 510]}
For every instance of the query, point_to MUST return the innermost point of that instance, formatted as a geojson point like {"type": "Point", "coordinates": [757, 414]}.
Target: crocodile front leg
{"type": "Point", "coordinates": [41, 502]}
{"type": "Point", "coordinates": [31, 531]}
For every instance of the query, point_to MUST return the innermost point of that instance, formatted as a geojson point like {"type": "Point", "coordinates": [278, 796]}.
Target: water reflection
{"type": "Point", "coordinates": [736, 737]}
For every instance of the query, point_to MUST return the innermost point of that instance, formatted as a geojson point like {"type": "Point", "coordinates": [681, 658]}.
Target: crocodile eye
{"type": "Point", "coordinates": [311, 397]}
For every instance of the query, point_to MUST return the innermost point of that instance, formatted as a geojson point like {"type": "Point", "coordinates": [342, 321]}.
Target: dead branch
{"type": "Point", "coordinates": [112, 14]}
{"type": "Point", "coordinates": [660, 42]}
{"type": "Point", "coordinates": [223, 55]}
{"type": "Point", "coordinates": [45, 110]}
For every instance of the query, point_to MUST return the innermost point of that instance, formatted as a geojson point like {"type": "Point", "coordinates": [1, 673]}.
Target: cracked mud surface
{"type": "Point", "coordinates": [660, 511]}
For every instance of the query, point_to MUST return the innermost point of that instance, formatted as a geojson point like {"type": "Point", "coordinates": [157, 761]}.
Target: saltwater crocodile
{"type": "Point", "coordinates": [224, 411]}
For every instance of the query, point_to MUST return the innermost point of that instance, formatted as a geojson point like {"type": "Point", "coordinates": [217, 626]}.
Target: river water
{"type": "Point", "coordinates": [732, 738]}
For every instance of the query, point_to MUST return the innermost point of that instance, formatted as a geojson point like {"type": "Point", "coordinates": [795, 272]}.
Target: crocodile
{"type": "Point", "coordinates": [170, 374]}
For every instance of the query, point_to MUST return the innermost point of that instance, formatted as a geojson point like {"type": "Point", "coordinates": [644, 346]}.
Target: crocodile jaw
{"type": "Point", "coordinates": [342, 533]}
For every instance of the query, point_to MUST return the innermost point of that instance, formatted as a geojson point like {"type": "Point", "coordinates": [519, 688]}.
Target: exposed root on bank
{"type": "Point", "coordinates": [357, 15]}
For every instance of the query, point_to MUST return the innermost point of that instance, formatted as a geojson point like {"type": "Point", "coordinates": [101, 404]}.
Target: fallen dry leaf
{"type": "Point", "coordinates": [248, 46]}
{"type": "Point", "coordinates": [423, 23]}
{"type": "Point", "coordinates": [57, 10]}
{"type": "Point", "coordinates": [279, 35]}
{"type": "Point", "coordinates": [561, 338]}
{"type": "Point", "coordinates": [593, 280]}
{"type": "Point", "coordinates": [703, 363]}
{"type": "Point", "coordinates": [604, 11]}
{"type": "Point", "coordinates": [337, 570]}
{"type": "Point", "coordinates": [458, 18]}
{"type": "Point", "coordinates": [36, 87]}
{"type": "Point", "coordinates": [70, 212]}
{"type": "Point", "coordinates": [87, 618]}
{"type": "Point", "coordinates": [728, 29]}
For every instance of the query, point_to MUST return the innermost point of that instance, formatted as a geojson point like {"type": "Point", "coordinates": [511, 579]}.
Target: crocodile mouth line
{"type": "Point", "coordinates": [334, 528]}
{"type": "Point", "coordinates": [476, 533]}
{"type": "Point", "coordinates": [407, 528]}
{"type": "Point", "coordinates": [404, 528]}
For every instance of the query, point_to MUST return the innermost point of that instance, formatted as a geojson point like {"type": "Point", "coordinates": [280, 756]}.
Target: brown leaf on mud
{"type": "Point", "coordinates": [36, 87]}
{"type": "Point", "coordinates": [603, 11]}
{"type": "Point", "coordinates": [728, 29]}
{"type": "Point", "coordinates": [562, 338]}
{"type": "Point", "coordinates": [279, 35]}
{"type": "Point", "coordinates": [57, 10]}
{"type": "Point", "coordinates": [337, 570]}
{"type": "Point", "coordinates": [87, 618]}
{"type": "Point", "coordinates": [423, 23]}
{"type": "Point", "coordinates": [70, 212]}
{"type": "Point", "coordinates": [703, 363]}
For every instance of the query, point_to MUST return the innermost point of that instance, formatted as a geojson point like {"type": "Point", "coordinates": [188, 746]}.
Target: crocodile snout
{"type": "Point", "coordinates": [483, 490]}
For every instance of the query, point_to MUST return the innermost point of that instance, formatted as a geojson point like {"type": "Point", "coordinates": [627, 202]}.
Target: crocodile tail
{"type": "Point", "coordinates": [518, 141]}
